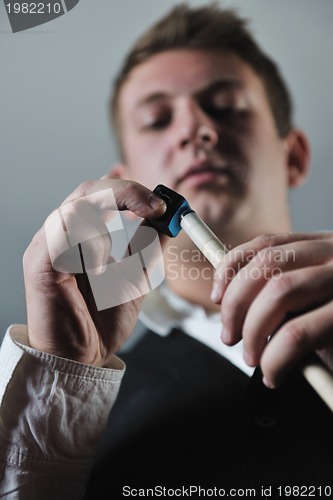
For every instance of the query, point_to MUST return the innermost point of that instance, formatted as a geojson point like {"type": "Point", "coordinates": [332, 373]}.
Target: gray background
{"type": "Point", "coordinates": [54, 132]}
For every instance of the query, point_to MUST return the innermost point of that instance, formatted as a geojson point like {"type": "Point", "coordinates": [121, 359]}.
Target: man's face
{"type": "Point", "coordinates": [200, 123]}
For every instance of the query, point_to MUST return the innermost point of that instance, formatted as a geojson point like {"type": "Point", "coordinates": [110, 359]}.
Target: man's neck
{"type": "Point", "coordinates": [189, 273]}
{"type": "Point", "coordinates": [192, 282]}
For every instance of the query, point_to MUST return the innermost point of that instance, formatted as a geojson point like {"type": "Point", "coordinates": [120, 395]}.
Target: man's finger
{"type": "Point", "coordinates": [293, 340]}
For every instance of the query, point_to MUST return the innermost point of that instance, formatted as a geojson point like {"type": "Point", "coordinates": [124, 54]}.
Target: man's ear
{"type": "Point", "coordinates": [117, 170]}
{"type": "Point", "coordinates": [298, 157]}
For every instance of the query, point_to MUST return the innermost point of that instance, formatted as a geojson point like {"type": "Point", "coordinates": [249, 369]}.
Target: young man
{"type": "Point", "coordinates": [200, 108]}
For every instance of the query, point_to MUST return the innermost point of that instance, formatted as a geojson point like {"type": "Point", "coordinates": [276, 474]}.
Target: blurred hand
{"type": "Point", "coordinates": [276, 293]}
{"type": "Point", "coordinates": [62, 315]}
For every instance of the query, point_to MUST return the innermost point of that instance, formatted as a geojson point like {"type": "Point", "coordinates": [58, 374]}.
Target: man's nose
{"type": "Point", "coordinates": [197, 129]}
{"type": "Point", "coordinates": [205, 137]}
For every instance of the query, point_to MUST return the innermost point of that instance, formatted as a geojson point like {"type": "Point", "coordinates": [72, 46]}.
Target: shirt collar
{"type": "Point", "coordinates": [163, 310]}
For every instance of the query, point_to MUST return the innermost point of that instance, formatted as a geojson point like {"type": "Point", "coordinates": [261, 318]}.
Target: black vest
{"type": "Point", "coordinates": [187, 416]}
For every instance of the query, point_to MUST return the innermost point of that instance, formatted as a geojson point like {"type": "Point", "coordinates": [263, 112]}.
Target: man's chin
{"type": "Point", "coordinates": [216, 209]}
{"type": "Point", "coordinates": [208, 195]}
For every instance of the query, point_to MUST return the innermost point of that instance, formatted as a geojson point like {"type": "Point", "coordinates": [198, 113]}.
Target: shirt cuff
{"type": "Point", "coordinates": [53, 409]}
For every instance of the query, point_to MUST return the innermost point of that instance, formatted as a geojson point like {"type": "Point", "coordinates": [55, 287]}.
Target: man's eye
{"type": "Point", "coordinates": [224, 112]}
{"type": "Point", "coordinates": [158, 123]}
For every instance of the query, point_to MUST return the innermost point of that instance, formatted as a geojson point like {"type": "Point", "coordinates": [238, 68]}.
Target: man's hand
{"type": "Point", "coordinates": [62, 314]}
{"type": "Point", "coordinates": [276, 293]}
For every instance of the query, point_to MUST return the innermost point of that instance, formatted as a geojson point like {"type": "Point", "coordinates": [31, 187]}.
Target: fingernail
{"type": "Point", "coordinates": [96, 271]}
{"type": "Point", "coordinates": [248, 358]}
{"type": "Point", "coordinates": [155, 201]}
{"type": "Point", "coordinates": [225, 335]}
{"type": "Point", "coordinates": [216, 292]}
{"type": "Point", "coordinates": [268, 383]}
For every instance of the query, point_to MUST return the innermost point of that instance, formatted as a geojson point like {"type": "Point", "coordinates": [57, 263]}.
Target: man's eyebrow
{"type": "Point", "coordinates": [226, 85]}
{"type": "Point", "coordinates": [218, 85]}
{"type": "Point", "coordinates": [150, 99]}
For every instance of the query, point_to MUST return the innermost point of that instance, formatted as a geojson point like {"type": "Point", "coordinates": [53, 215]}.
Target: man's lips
{"type": "Point", "coordinates": [201, 173]}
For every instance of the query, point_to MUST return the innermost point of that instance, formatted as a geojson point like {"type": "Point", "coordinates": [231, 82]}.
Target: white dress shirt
{"type": "Point", "coordinates": [163, 310]}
